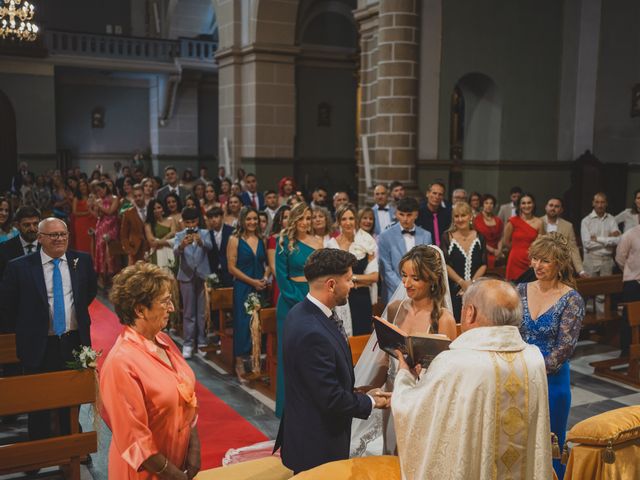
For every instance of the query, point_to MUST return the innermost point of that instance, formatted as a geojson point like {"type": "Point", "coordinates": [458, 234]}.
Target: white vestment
{"type": "Point", "coordinates": [480, 411]}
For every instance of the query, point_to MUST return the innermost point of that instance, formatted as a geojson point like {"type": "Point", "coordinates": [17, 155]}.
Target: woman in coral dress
{"type": "Point", "coordinates": [147, 388]}
{"type": "Point", "coordinates": [490, 227]}
{"type": "Point", "coordinates": [519, 234]}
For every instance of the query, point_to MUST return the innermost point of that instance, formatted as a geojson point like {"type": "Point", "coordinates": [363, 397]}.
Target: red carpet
{"type": "Point", "coordinates": [220, 427]}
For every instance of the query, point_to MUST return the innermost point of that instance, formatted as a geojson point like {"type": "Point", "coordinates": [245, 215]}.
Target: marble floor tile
{"type": "Point", "coordinates": [580, 396]}
{"type": "Point", "coordinates": [633, 399]}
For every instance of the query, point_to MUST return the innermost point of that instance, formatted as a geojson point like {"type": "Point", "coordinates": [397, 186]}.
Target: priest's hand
{"type": "Point", "coordinates": [381, 398]}
{"type": "Point", "coordinates": [402, 365]}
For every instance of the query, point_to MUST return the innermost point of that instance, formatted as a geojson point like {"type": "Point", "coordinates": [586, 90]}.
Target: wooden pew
{"type": "Point", "coordinates": [8, 348]}
{"type": "Point", "coordinates": [221, 300]}
{"type": "Point", "coordinates": [357, 344]}
{"type": "Point", "coordinates": [30, 393]}
{"type": "Point", "coordinates": [594, 286]}
{"type": "Point", "coordinates": [630, 375]}
{"type": "Point", "coordinates": [269, 327]}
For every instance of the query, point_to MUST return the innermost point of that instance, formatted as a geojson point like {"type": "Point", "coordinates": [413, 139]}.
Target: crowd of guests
{"type": "Point", "coordinates": [260, 241]}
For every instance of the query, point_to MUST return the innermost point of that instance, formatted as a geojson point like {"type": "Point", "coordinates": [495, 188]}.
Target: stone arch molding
{"type": "Point", "coordinates": [483, 116]}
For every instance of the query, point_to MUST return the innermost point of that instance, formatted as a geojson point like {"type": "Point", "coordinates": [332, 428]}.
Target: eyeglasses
{"type": "Point", "coordinates": [166, 302]}
{"type": "Point", "coordinates": [56, 235]}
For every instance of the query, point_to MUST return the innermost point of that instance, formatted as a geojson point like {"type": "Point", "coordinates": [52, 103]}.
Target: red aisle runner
{"type": "Point", "coordinates": [220, 427]}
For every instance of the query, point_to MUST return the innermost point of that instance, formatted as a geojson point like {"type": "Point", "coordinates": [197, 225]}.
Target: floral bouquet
{"type": "Point", "coordinates": [86, 357]}
{"type": "Point", "coordinates": [213, 281]}
{"type": "Point", "coordinates": [252, 304]}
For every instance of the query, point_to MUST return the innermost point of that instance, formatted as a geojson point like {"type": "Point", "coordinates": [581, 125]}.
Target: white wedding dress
{"type": "Point", "coordinates": [376, 435]}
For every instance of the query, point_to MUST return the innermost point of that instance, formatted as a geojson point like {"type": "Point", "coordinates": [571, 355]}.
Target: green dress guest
{"type": "Point", "coordinates": [296, 244]}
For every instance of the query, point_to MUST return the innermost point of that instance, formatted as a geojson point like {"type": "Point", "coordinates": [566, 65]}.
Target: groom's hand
{"type": "Point", "coordinates": [381, 398]}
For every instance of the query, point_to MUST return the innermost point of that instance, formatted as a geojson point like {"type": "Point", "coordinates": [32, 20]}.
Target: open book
{"type": "Point", "coordinates": [417, 348]}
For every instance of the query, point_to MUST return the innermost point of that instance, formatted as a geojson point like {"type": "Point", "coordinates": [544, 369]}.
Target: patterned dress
{"type": "Point", "coordinates": [106, 230]}
{"type": "Point", "coordinates": [555, 332]}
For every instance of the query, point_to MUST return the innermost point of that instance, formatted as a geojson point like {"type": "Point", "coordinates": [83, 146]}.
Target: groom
{"type": "Point", "coordinates": [316, 423]}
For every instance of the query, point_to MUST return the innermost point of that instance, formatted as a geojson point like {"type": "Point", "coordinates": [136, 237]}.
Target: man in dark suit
{"type": "Point", "coordinates": [319, 379]}
{"type": "Point", "coordinates": [46, 295]}
{"type": "Point", "coordinates": [172, 185]}
{"type": "Point", "coordinates": [26, 219]}
{"type": "Point", "coordinates": [219, 233]}
{"type": "Point", "coordinates": [252, 197]}
{"type": "Point", "coordinates": [432, 215]}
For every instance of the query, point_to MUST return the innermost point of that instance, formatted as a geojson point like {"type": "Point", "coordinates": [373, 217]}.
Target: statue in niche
{"type": "Point", "coordinates": [97, 118]}
{"type": "Point", "coordinates": [324, 114]}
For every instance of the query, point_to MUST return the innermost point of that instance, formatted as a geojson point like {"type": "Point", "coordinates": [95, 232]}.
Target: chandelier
{"type": "Point", "coordinates": [14, 20]}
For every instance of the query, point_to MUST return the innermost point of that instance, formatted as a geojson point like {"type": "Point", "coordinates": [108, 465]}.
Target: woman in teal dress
{"type": "Point", "coordinates": [295, 245]}
{"type": "Point", "coordinates": [552, 317]}
{"type": "Point", "coordinates": [247, 258]}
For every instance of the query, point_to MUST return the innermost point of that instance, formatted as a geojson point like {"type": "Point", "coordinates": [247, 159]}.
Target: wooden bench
{"type": "Point", "coordinates": [221, 300]}
{"type": "Point", "coordinates": [46, 391]}
{"type": "Point", "coordinates": [593, 286]}
{"type": "Point", "coordinates": [269, 327]}
{"type": "Point", "coordinates": [357, 344]}
{"type": "Point", "coordinates": [631, 374]}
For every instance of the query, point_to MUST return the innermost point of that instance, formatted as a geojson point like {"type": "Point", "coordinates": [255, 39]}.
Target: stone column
{"type": "Point", "coordinates": [389, 82]}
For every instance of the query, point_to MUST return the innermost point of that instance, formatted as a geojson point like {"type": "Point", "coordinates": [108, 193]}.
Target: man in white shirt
{"type": "Point", "coordinates": [383, 211]}
{"type": "Point", "coordinates": [600, 235]}
{"type": "Point", "coordinates": [481, 409]}
{"type": "Point", "coordinates": [319, 198]}
{"type": "Point", "coordinates": [271, 205]}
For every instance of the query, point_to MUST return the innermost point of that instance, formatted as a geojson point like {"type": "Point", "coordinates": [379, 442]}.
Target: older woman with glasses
{"type": "Point", "coordinates": [147, 388]}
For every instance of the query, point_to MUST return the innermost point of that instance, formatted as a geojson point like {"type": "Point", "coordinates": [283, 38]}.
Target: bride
{"type": "Point", "coordinates": [421, 304]}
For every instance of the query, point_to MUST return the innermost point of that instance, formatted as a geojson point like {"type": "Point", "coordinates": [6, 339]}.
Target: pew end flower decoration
{"type": "Point", "coordinates": [213, 281]}
{"type": "Point", "coordinates": [84, 358]}
{"type": "Point", "coordinates": [252, 304]}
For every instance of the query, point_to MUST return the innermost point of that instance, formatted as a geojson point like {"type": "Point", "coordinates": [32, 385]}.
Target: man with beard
{"type": "Point", "coordinates": [26, 219]}
{"type": "Point", "coordinates": [320, 399]}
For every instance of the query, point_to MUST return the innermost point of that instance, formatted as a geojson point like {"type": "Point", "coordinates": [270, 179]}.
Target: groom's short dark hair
{"type": "Point", "coordinates": [327, 262]}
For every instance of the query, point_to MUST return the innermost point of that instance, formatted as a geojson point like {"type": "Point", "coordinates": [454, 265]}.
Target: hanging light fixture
{"type": "Point", "coordinates": [15, 16]}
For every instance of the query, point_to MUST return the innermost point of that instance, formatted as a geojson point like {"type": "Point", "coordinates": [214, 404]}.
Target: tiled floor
{"type": "Point", "coordinates": [590, 395]}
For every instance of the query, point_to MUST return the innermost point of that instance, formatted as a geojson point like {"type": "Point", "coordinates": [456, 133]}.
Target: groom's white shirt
{"type": "Point", "coordinates": [479, 410]}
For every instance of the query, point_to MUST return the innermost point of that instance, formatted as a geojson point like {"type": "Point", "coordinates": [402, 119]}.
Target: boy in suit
{"type": "Point", "coordinates": [219, 233]}
{"type": "Point", "coordinates": [191, 247]}
{"type": "Point", "coordinates": [397, 240]}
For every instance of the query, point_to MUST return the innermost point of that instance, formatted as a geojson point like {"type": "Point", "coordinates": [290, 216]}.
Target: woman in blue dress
{"type": "Point", "coordinates": [552, 317]}
{"type": "Point", "coordinates": [295, 245]}
{"type": "Point", "coordinates": [246, 257]}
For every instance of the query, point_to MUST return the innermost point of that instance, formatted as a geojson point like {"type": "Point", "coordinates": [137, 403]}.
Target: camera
{"type": "Point", "coordinates": [191, 231]}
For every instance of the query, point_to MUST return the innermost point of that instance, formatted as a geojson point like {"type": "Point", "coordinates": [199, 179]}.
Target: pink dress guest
{"type": "Point", "coordinates": [106, 225]}
{"type": "Point", "coordinates": [151, 407]}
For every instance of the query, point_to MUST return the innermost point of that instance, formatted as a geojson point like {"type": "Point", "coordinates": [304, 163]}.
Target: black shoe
{"type": "Point", "coordinates": [87, 461]}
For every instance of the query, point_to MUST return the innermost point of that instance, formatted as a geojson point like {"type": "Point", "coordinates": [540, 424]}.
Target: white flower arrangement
{"type": "Point", "coordinates": [252, 303]}
{"type": "Point", "coordinates": [84, 358]}
{"type": "Point", "coordinates": [213, 281]}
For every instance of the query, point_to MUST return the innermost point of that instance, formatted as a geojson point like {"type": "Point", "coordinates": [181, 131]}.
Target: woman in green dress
{"type": "Point", "coordinates": [160, 230]}
{"type": "Point", "coordinates": [295, 245]}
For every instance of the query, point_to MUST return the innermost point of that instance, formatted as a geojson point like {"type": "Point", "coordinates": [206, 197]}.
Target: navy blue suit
{"type": "Point", "coordinates": [316, 424]}
{"type": "Point", "coordinates": [246, 200]}
{"type": "Point", "coordinates": [218, 257]}
{"type": "Point", "coordinates": [24, 302]}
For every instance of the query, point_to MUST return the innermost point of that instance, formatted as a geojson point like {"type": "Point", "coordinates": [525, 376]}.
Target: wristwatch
{"type": "Point", "coordinates": [354, 278]}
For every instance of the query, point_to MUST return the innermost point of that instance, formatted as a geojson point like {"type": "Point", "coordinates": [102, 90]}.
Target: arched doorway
{"type": "Point", "coordinates": [476, 114]}
{"type": "Point", "coordinates": [326, 95]}
{"type": "Point", "coordinates": [8, 142]}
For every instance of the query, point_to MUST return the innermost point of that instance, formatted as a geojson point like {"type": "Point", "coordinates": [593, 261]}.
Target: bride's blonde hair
{"type": "Point", "coordinates": [428, 266]}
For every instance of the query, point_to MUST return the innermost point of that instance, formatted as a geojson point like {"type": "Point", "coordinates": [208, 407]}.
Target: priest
{"type": "Point", "coordinates": [480, 410]}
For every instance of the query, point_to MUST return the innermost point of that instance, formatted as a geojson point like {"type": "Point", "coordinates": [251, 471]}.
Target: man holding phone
{"type": "Point", "coordinates": [192, 246]}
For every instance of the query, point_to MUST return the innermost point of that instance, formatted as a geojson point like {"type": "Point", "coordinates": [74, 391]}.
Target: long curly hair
{"type": "Point", "coordinates": [554, 247]}
{"type": "Point", "coordinates": [291, 232]}
{"type": "Point", "coordinates": [428, 265]}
